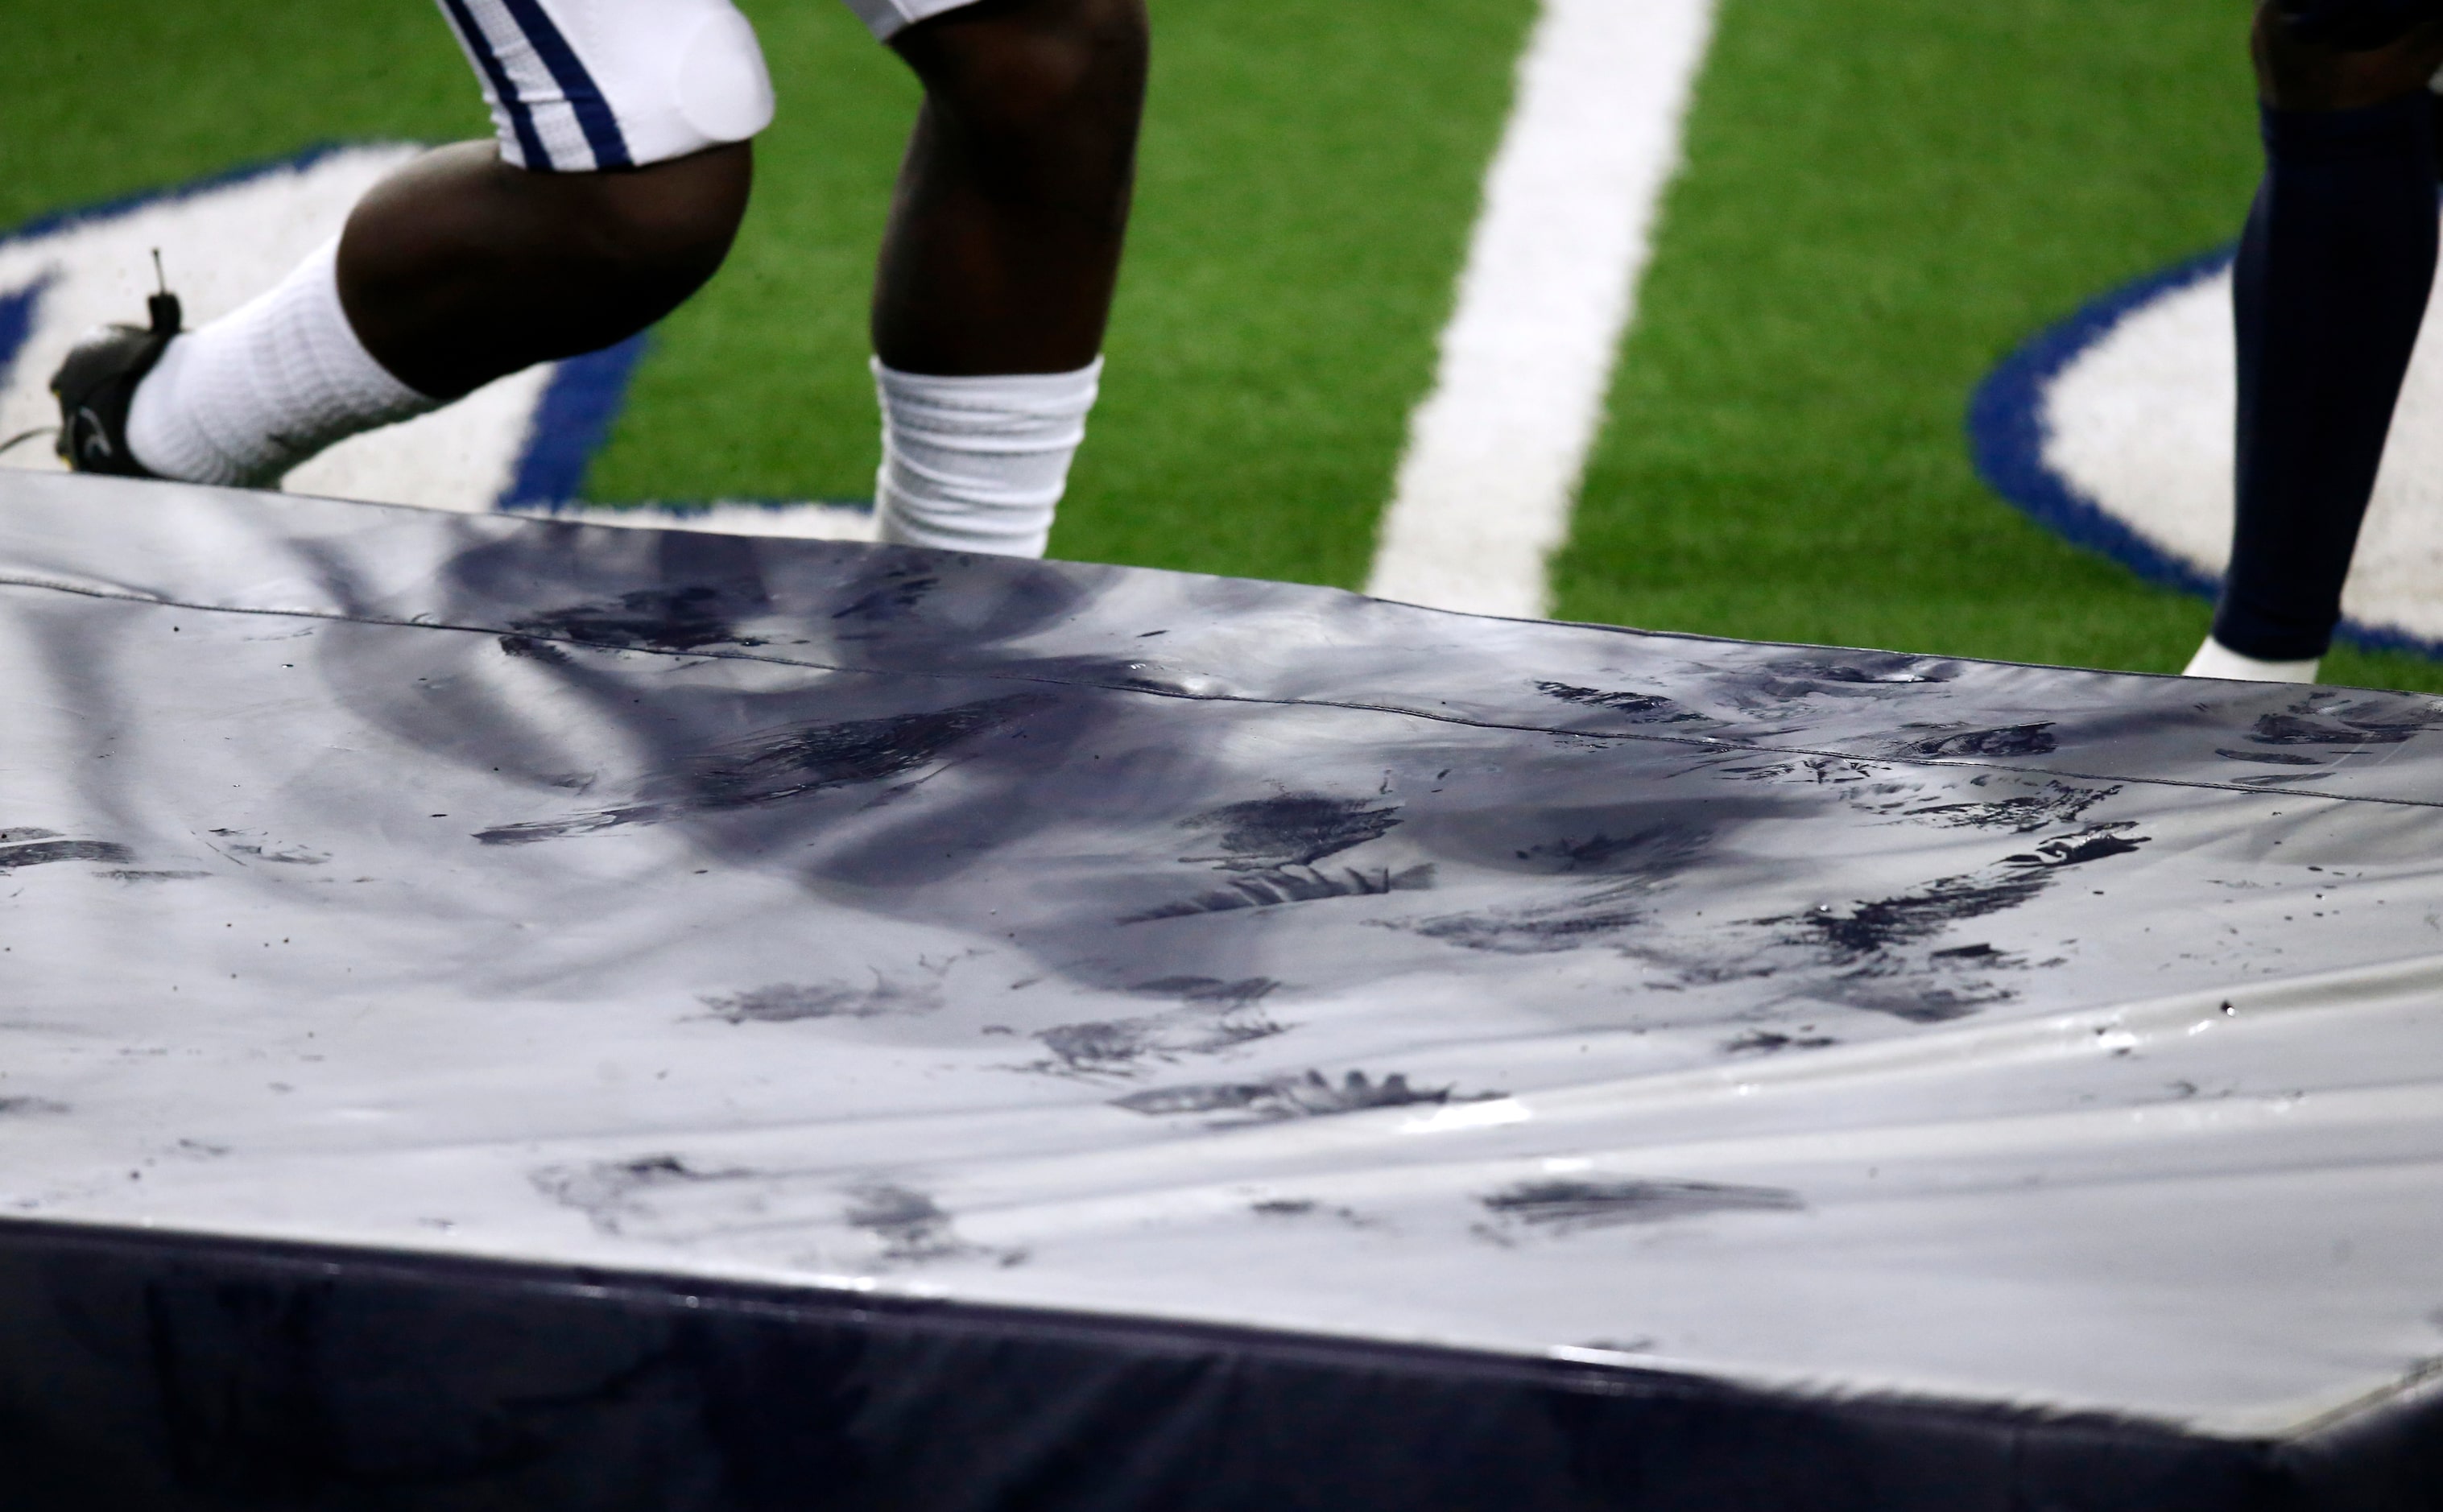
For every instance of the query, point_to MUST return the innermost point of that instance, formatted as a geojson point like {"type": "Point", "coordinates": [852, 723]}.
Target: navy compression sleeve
{"type": "Point", "coordinates": [2329, 291]}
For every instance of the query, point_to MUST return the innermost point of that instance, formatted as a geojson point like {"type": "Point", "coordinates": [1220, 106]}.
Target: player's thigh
{"type": "Point", "coordinates": [579, 85]}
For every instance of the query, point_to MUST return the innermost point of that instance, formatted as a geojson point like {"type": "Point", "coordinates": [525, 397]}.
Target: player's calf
{"type": "Point", "coordinates": [461, 267]}
{"type": "Point", "coordinates": [617, 180]}
{"type": "Point", "coordinates": [997, 272]}
{"type": "Point", "coordinates": [2328, 292]}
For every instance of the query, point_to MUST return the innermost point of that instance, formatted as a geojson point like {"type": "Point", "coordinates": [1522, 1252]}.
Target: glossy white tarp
{"type": "Point", "coordinates": [1196, 949]}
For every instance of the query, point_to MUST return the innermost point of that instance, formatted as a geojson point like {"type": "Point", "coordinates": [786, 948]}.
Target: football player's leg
{"type": "Point", "coordinates": [619, 178]}
{"type": "Point", "coordinates": [997, 271]}
{"type": "Point", "coordinates": [2328, 294]}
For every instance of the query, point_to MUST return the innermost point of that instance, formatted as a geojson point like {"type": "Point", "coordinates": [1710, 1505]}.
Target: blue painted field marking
{"type": "Point", "coordinates": [17, 310]}
{"type": "Point", "coordinates": [2007, 438]}
{"type": "Point", "coordinates": [571, 424]}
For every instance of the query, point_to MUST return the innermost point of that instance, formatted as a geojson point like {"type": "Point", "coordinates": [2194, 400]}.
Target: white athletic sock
{"type": "Point", "coordinates": [2214, 659]}
{"type": "Point", "coordinates": [978, 464]}
{"type": "Point", "coordinates": [264, 387]}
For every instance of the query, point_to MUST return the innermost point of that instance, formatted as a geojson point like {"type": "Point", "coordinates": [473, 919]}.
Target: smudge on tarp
{"type": "Point", "coordinates": [1637, 850]}
{"type": "Point", "coordinates": [1651, 841]}
{"type": "Point", "coordinates": [1600, 853]}
{"type": "Point", "coordinates": [231, 843]}
{"type": "Point", "coordinates": [527, 647]}
{"type": "Point", "coordinates": [1541, 930]}
{"type": "Point", "coordinates": [2004, 741]}
{"type": "Point", "coordinates": [1279, 1097]}
{"type": "Point", "coordinates": [1626, 851]}
{"type": "Point", "coordinates": [1210, 989]}
{"type": "Point", "coordinates": [2095, 843]}
{"type": "Point", "coordinates": [1877, 951]}
{"type": "Point", "coordinates": [1108, 672]}
{"type": "Point", "coordinates": [1279, 1207]}
{"type": "Point", "coordinates": [29, 1105]}
{"type": "Point", "coordinates": [1767, 1042]}
{"type": "Point", "coordinates": [1640, 708]}
{"type": "Point", "coordinates": [896, 591]}
{"type": "Point", "coordinates": [1906, 919]}
{"type": "Point", "coordinates": [1983, 952]}
{"type": "Point", "coordinates": [788, 1002]}
{"type": "Point", "coordinates": [1788, 684]}
{"type": "Point", "coordinates": [1566, 1207]}
{"type": "Point", "coordinates": [2058, 802]}
{"type": "Point", "coordinates": [1213, 1016]}
{"type": "Point", "coordinates": [608, 1191]}
{"type": "Point", "coordinates": [2291, 729]}
{"type": "Point", "coordinates": [1934, 990]}
{"type": "Point", "coordinates": [1866, 668]}
{"type": "Point", "coordinates": [913, 1229]}
{"type": "Point", "coordinates": [51, 852]}
{"type": "Point", "coordinates": [786, 763]}
{"type": "Point", "coordinates": [1293, 829]}
{"type": "Point", "coordinates": [1821, 770]}
{"type": "Point", "coordinates": [664, 1197]}
{"type": "Point", "coordinates": [656, 619]}
{"type": "Point", "coordinates": [1291, 884]}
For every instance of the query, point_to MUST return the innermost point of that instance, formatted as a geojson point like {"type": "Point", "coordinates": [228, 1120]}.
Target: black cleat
{"type": "Point", "coordinates": [97, 384]}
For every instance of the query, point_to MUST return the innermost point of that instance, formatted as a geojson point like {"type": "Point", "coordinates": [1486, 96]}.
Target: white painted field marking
{"type": "Point", "coordinates": [2141, 424]}
{"type": "Point", "coordinates": [224, 241]}
{"type": "Point", "coordinates": [1496, 450]}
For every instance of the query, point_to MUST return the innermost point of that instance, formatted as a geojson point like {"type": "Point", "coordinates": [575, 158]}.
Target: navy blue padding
{"type": "Point", "coordinates": [521, 119]}
{"type": "Point", "coordinates": [594, 115]}
{"type": "Point", "coordinates": [145, 1369]}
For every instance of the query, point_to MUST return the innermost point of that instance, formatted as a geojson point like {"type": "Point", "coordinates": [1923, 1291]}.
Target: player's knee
{"type": "Point", "coordinates": [662, 227]}
{"type": "Point", "coordinates": [1015, 66]}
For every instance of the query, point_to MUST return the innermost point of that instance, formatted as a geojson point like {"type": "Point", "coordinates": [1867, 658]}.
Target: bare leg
{"type": "Point", "coordinates": [1004, 238]}
{"type": "Point", "coordinates": [460, 269]}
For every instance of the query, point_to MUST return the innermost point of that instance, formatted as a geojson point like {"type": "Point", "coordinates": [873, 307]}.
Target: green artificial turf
{"type": "Point", "coordinates": [1879, 202]}
{"type": "Point", "coordinates": [757, 387]}
{"type": "Point", "coordinates": [105, 98]}
{"type": "Point", "coordinates": [1311, 169]}
{"type": "Point", "coordinates": [1309, 174]}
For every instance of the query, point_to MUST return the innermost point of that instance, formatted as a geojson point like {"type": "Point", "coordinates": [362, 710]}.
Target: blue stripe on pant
{"type": "Point", "coordinates": [592, 112]}
{"type": "Point", "coordinates": [530, 145]}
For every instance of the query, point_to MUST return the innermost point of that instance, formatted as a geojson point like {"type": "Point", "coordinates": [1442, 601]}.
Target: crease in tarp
{"type": "Point", "coordinates": [1005, 675]}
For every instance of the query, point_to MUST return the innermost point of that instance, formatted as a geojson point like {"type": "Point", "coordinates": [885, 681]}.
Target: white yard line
{"type": "Point", "coordinates": [1494, 452]}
